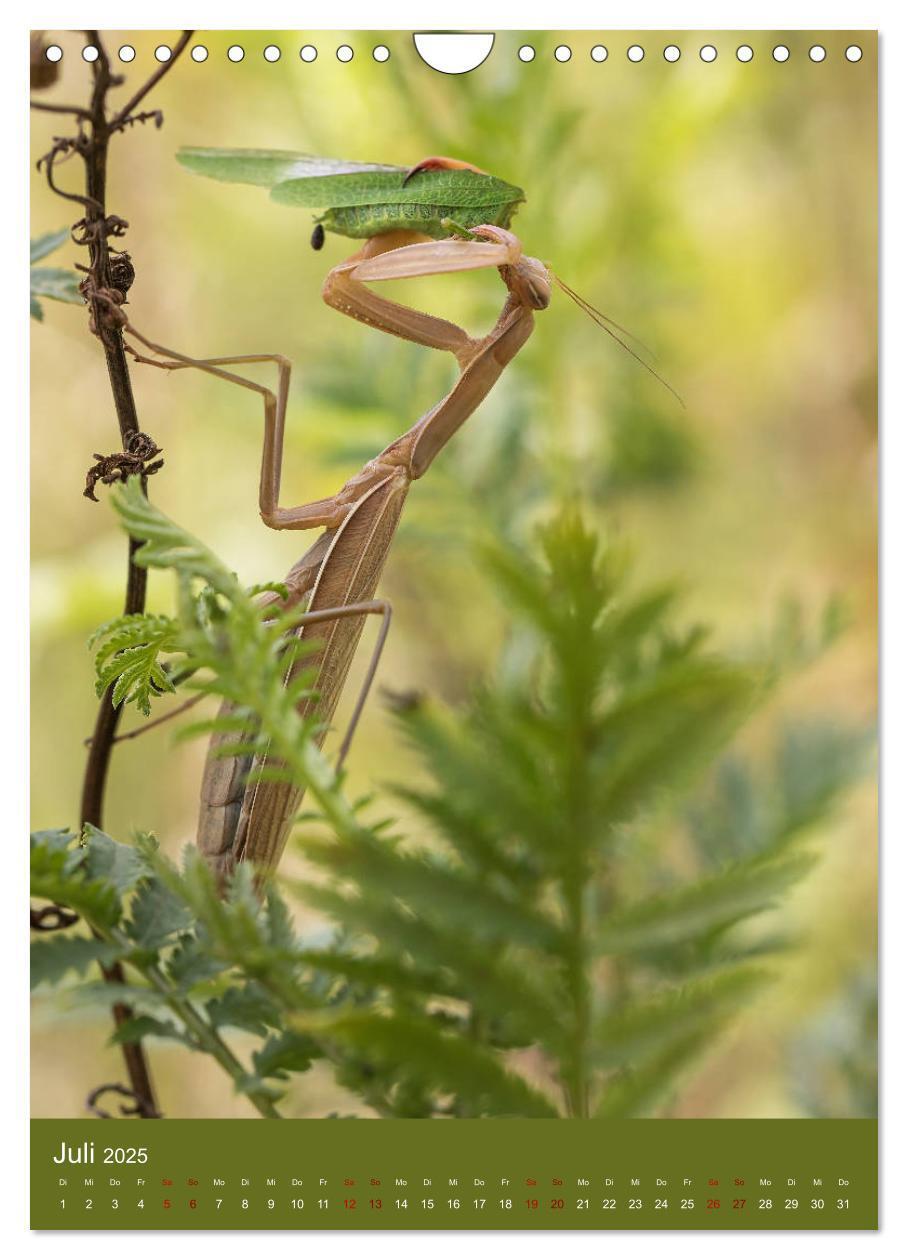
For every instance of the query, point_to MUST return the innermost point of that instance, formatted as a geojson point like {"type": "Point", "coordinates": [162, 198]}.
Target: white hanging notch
{"type": "Point", "coordinates": [453, 52]}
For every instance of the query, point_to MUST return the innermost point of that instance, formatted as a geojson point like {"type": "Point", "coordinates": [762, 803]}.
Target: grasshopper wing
{"type": "Point", "coordinates": [267, 167]}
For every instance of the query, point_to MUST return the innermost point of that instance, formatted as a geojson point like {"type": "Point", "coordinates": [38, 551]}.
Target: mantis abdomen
{"type": "Point", "coordinates": [241, 819]}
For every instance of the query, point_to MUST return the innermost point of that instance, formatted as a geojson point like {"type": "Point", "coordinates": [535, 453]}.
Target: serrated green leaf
{"type": "Point", "coordinates": [53, 956]}
{"type": "Point", "coordinates": [192, 963]}
{"type": "Point", "coordinates": [246, 1006]}
{"type": "Point", "coordinates": [59, 874]}
{"type": "Point", "coordinates": [156, 914]}
{"type": "Point", "coordinates": [284, 1053]}
{"type": "Point", "coordinates": [141, 1026]}
{"type": "Point", "coordinates": [106, 859]}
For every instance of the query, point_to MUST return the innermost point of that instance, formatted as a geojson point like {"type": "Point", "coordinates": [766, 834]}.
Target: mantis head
{"type": "Point", "coordinates": [531, 282]}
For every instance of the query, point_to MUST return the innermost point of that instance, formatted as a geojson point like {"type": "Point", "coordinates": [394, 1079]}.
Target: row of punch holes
{"type": "Point", "coordinates": [526, 53]}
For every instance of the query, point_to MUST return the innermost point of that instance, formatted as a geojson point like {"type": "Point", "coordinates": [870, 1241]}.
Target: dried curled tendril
{"type": "Point", "coordinates": [120, 465]}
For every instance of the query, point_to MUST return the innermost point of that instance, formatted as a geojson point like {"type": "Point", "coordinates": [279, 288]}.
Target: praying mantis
{"type": "Point", "coordinates": [440, 217]}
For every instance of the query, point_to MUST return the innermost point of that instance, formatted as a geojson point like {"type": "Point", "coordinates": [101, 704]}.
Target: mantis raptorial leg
{"type": "Point", "coordinates": [338, 575]}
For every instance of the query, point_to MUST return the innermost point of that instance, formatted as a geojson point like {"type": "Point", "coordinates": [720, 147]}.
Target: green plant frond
{"type": "Point", "coordinates": [375, 971]}
{"type": "Point", "coordinates": [60, 874]}
{"type": "Point", "coordinates": [123, 864]}
{"type": "Point", "coordinates": [474, 836]}
{"type": "Point", "coordinates": [129, 658]}
{"type": "Point", "coordinates": [815, 763]}
{"type": "Point", "coordinates": [744, 811]}
{"type": "Point", "coordinates": [440, 1060]}
{"type": "Point", "coordinates": [279, 589]}
{"type": "Point", "coordinates": [52, 957]}
{"type": "Point", "coordinates": [140, 1026]}
{"type": "Point", "coordinates": [190, 963]}
{"type": "Point", "coordinates": [248, 1006]}
{"type": "Point", "coordinates": [665, 731]}
{"type": "Point", "coordinates": [718, 902]}
{"type": "Point", "coordinates": [99, 994]}
{"type": "Point", "coordinates": [284, 1053]}
{"type": "Point", "coordinates": [165, 544]}
{"type": "Point", "coordinates": [638, 1091]}
{"type": "Point", "coordinates": [463, 968]}
{"type": "Point", "coordinates": [443, 959]}
{"type": "Point", "coordinates": [636, 1032]}
{"type": "Point", "coordinates": [492, 765]}
{"type": "Point", "coordinates": [626, 629]}
{"type": "Point", "coordinates": [156, 915]}
{"type": "Point", "coordinates": [498, 990]}
{"type": "Point", "coordinates": [443, 892]}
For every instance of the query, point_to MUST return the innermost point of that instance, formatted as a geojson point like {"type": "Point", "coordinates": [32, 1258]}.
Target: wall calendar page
{"type": "Point", "coordinates": [453, 630]}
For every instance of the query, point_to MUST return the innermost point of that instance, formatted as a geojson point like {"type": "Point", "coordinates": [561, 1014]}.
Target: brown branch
{"type": "Point", "coordinates": [78, 110]}
{"type": "Point", "coordinates": [143, 91]}
{"type": "Point", "coordinates": [102, 295]}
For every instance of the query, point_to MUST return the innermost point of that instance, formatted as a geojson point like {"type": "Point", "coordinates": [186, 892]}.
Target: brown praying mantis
{"type": "Point", "coordinates": [243, 817]}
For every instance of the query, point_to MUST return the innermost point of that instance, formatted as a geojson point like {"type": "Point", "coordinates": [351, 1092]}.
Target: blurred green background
{"type": "Point", "coordinates": [725, 213]}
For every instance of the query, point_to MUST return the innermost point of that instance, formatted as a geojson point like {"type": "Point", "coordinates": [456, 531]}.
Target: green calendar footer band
{"type": "Point", "coordinates": [461, 1174]}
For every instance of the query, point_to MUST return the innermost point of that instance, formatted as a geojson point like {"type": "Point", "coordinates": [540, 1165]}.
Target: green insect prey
{"type": "Point", "coordinates": [360, 199]}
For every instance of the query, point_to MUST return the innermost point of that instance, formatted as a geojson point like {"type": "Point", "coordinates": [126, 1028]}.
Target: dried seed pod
{"type": "Point", "coordinates": [42, 73]}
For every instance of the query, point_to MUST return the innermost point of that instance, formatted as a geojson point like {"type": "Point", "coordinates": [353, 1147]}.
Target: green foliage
{"type": "Point", "coordinates": [551, 912]}
{"type": "Point", "coordinates": [832, 1062]}
{"type": "Point", "coordinates": [196, 964]}
{"type": "Point", "coordinates": [58, 283]}
{"type": "Point", "coordinates": [227, 644]}
{"type": "Point", "coordinates": [130, 658]}
{"type": "Point", "coordinates": [518, 929]}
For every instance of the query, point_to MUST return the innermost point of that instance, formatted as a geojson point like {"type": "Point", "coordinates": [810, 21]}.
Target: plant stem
{"type": "Point", "coordinates": [208, 1038]}
{"type": "Point", "coordinates": [93, 150]}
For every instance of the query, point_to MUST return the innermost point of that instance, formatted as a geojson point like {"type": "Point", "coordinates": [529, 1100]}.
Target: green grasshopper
{"type": "Point", "coordinates": [438, 197]}
{"type": "Point", "coordinates": [440, 216]}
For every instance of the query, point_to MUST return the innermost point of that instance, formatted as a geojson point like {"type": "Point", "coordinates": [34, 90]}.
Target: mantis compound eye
{"type": "Point", "coordinates": [317, 239]}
